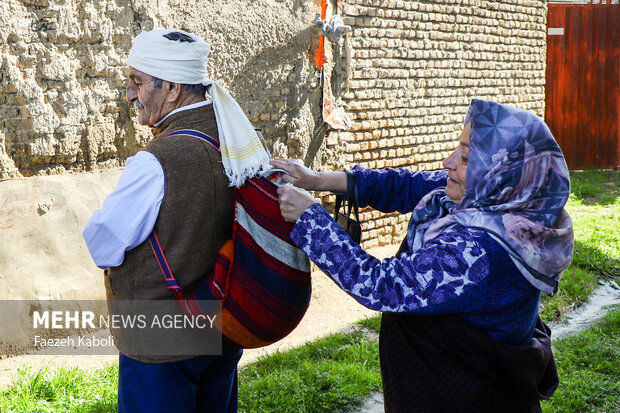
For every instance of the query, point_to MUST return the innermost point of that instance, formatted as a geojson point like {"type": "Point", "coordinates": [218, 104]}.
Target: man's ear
{"type": "Point", "coordinates": [174, 92]}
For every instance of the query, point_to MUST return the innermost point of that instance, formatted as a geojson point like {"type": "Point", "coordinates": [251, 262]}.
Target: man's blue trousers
{"type": "Point", "coordinates": [200, 384]}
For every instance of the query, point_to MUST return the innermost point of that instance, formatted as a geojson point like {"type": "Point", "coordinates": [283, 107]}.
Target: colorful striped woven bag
{"type": "Point", "coordinates": [261, 277]}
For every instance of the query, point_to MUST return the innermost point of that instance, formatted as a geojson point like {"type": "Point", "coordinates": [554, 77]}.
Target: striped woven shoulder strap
{"type": "Point", "coordinates": [197, 134]}
{"type": "Point", "coordinates": [171, 282]}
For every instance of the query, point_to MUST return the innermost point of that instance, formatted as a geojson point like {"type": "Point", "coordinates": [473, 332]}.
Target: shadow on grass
{"type": "Point", "coordinates": [595, 187]}
{"type": "Point", "coordinates": [593, 259]}
{"type": "Point", "coordinates": [576, 286]}
{"type": "Point", "coordinates": [101, 406]}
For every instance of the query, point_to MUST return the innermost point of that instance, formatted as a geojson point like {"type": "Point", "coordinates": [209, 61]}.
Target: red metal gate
{"type": "Point", "coordinates": [583, 82]}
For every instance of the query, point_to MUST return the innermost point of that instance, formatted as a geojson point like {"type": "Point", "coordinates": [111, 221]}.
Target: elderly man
{"type": "Point", "coordinates": [178, 187]}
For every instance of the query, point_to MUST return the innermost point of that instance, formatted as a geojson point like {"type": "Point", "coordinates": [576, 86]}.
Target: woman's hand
{"type": "Point", "coordinates": [298, 174]}
{"type": "Point", "coordinates": [306, 178]}
{"type": "Point", "coordinates": [293, 202]}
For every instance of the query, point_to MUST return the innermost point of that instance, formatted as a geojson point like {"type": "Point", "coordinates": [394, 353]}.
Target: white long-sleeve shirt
{"type": "Point", "coordinates": [128, 214]}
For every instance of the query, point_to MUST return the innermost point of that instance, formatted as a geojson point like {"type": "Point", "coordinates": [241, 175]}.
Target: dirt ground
{"type": "Point", "coordinates": [331, 310]}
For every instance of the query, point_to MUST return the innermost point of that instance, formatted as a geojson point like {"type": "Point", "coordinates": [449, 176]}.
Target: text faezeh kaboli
{"type": "Point", "coordinates": [74, 342]}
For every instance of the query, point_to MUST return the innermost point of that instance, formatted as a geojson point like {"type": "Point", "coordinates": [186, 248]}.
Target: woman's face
{"type": "Point", "coordinates": [456, 164]}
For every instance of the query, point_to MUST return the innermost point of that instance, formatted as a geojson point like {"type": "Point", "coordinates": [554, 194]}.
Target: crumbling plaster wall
{"type": "Point", "coordinates": [63, 75]}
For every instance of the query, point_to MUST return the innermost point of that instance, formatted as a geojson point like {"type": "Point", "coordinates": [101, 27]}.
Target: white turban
{"type": "Point", "coordinates": [243, 154]}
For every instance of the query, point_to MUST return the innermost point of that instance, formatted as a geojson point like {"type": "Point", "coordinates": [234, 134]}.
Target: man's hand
{"type": "Point", "coordinates": [298, 174]}
{"type": "Point", "coordinates": [293, 202]}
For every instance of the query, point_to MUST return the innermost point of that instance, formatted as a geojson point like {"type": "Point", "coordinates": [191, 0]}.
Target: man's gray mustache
{"type": "Point", "coordinates": [138, 105]}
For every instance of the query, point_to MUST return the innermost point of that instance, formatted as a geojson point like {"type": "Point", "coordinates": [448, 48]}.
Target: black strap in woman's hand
{"type": "Point", "coordinates": [350, 202]}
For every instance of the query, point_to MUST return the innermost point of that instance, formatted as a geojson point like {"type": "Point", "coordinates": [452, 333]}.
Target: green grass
{"type": "Point", "coordinates": [329, 375]}
{"type": "Point", "coordinates": [337, 372]}
{"type": "Point", "coordinates": [62, 390]}
{"type": "Point", "coordinates": [597, 239]}
{"type": "Point", "coordinates": [371, 323]}
{"type": "Point", "coordinates": [589, 369]}
{"type": "Point", "coordinates": [595, 187]}
{"type": "Point", "coordinates": [594, 206]}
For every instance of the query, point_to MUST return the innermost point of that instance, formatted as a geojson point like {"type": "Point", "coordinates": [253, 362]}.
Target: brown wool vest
{"type": "Point", "coordinates": [195, 217]}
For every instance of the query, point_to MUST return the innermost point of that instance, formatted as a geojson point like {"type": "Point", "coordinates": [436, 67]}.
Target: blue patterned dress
{"type": "Point", "coordinates": [462, 271]}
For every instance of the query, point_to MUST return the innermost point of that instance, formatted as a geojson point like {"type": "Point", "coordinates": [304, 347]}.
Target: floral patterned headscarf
{"type": "Point", "coordinates": [515, 189]}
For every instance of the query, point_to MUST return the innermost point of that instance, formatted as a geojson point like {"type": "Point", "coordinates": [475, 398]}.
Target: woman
{"type": "Point", "coordinates": [460, 330]}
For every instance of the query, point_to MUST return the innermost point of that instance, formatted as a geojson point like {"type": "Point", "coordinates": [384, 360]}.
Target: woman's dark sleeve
{"type": "Point", "coordinates": [431, 280]}
{"type": "Point", "coordinates": [389, 190]}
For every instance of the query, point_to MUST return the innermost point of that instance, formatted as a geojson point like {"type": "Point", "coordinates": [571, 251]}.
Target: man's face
{"type": "Point", "coordinates": [148, 99]}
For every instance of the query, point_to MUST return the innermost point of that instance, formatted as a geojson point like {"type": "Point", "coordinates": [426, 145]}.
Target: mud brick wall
{"type": "Point", "coordinates": [409, 71]}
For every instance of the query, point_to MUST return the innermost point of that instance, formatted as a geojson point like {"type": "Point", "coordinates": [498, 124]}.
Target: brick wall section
{"type": "Point", "coordinates": [413, 68]}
